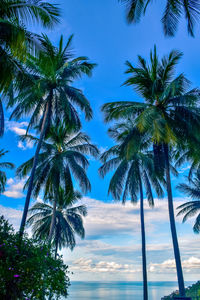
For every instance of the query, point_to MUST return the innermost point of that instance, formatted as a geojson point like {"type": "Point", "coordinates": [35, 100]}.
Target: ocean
{"type": "Point", "coordinates": [119, 290]}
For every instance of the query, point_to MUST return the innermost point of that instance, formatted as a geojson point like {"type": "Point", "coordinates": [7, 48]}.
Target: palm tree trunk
{"type": "Point", "coordinates": [56, 250]}
{"type": "Point", "coordinates": [35, 161]}
{"type": "Point", "coordinates": [52, 222]}
{"type": "Point", "coordinates": [1, 119]}
{"type": "Point", "coordinates": [144, 262]}
{"type": "Point", "coordinates": [173, 225]}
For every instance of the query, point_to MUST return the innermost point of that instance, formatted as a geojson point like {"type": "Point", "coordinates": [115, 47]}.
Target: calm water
{"type": "Point", "coordinates": [119, 290]}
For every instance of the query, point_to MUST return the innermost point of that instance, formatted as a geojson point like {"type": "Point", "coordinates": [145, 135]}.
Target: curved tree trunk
{"type": "Point", "coordinates": [144, 262]}
{"type": "Point", "coordinates": [173, 225]}
{"type": "Point", "coordinates": [52, 222]}
{"type": "Point", "coordinates": [35, 161]}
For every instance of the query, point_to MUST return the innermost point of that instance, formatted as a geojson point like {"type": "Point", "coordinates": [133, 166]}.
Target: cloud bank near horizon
{"type": "Point", "coordinates": [112, 247]}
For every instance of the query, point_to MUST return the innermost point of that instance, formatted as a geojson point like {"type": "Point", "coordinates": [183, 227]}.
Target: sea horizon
{"type": "Point", "coordinates": [107, 281]}
{"type": "Point", "coordinates": [120, 290]}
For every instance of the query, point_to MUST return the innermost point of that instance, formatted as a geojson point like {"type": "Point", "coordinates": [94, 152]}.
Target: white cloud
{"type": "Point", "coordinates": [184, 168]}
{"type": "Point", "coordinates": [113, 236]}
{"type": "Point", "coordinates": [10, 181]}
{"type": "Point", "coordinates": [14, 188]}
{"type": "Point", "coordinates": [112, 247]}
{"type": "Point", "coordinates": [11, 214]}
{"type": "Point", "coordinates": [19, 128]}
{"type": "Point", "coordinates": [190, 265]}
{"type": "Point", "coordinates": [26, 145]}
{"type": "Point", "coordinates": [87, 265]}
{"type": "Point", "coordinates": [105, 219]}
{"type": "Point", "coordinates": [21, 145]}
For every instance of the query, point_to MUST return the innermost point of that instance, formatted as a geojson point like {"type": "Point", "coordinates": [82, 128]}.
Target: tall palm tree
{"type": "Point", "coordinates": [68, 220]}
{"type": "Point", "coordinates": [133, 170]}
{"type": "Point", "coordinates": [169, 113]}
{"type": "Point", "coordinates": [46, 93]}
{"type": "Point", "coordinates": [172, 14]}
{"type": "Point", "coordinates": [4, 165]}
{"type": "Point", "coordinates": [191, 208]}
{"type": "Point", "coordinates": [61, 161]}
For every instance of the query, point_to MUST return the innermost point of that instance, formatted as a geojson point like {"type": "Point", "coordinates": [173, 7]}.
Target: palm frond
{"type": "Point", "coordinates": [189, 191]}
{"type": "Point", "coordinates": [196, 227]}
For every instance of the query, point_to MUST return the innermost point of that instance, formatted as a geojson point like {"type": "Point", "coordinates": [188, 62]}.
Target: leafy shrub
{"type": "Point", "coordinates": [28, 269]}
{"type": "Point", "coordinates": [192, 291]}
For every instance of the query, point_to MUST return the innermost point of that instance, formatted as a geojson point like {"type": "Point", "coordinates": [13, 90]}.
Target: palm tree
{"type": "Point", "coordinates": [169, 114]}
{"type": "Point", "coordinates": [191, 208]}
{"type": "Point", "coordinates": [133, 166]}
{"type": "Point", "coordinates": [61, 161]}
{"type": "Point", "coordinates": [172, 14]}
{"type": "Point", "coordinates": [68, 220]}
{"type": "Point", "coordinates": [4, 165]}
{"type": "Point", "coordinates": [15, 40]}
{"type": "Point", "coordinates": [46, 92]}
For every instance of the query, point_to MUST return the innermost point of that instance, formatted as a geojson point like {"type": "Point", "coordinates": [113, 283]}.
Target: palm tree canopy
{"type": "Point", "coordinates": [174, 10]}
{"type": "Point", "coordinates": [61, 161]}
{"type": "Point", "coordinates": [170, 112]}
{"type": "Point", "coordinates": [4, 165]}
{"type": "Point", "coordinates": [15, 40]}
{"type": "Point", "coordinates": [28, 11]}
{"type": "Point", "coordinates": [48, 80]}
{"type": "Point", "coordinates": [191, 208]}
{"type": "Point", "coordinates": [130, 160]}
{"type": "Point", "coordinates": [68, 220]}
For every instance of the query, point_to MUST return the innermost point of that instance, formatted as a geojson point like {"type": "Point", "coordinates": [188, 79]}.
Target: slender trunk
{"type": "Point", "coordinates": [53, 218]}
{"type": "Point", "coordinates": [56, 250]}
{"type": "Point", "coordinates": [52, 222]}
{"type": "Point", "coordinates": [1, 119]}
{"type": "Point", "coordinates": [173, 225]}
{"type": "Point", "coordinates": [35, 161]}
{"type": "Point", "coordinates": [144, 262]}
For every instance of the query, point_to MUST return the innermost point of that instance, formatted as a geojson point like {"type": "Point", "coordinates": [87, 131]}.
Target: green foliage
{"type": "Point", "coordinates": [169, 116]}
{"type": "Point", "coordinates": [170, 112]}
{"type": "Point", "coordinates": [62, 160]}
{"type": "Point", "coordinates": [15, 40]}
{"type": "Point", "coordinates": [47, 82]}
{"type": "Point", "coordinates": [192, 291]}
{"type": "Point", "coordinates": [174, 9]}
{"type": "Point", "coordinates": [28, 268]}
{"type": "Point", "coordinates": [45, 93]}
{"type": "Point", "coordinates": [130, 160]}
{"type": "Point", "coordinates": [191, 208]}
{"type": "Point", "coordinates": [68, 220]}
{"type": "Point", "coordinates": [4, 165]}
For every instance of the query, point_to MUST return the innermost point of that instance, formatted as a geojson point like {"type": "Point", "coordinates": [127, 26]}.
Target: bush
{"type": "Point", "coordinates": [192, 291]}
{"type": "Point", "coordinates": [28, 269]}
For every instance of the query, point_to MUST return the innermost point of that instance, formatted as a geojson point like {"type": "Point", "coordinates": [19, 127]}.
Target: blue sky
{"type": "Point", "coordinates": [111, 250]}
